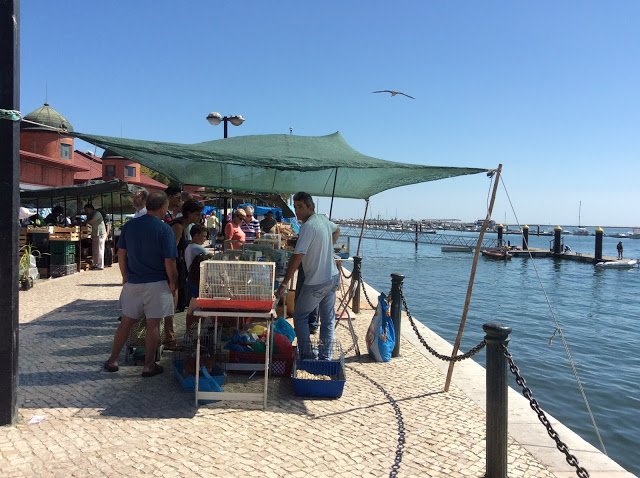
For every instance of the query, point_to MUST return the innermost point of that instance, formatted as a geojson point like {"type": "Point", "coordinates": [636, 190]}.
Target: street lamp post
{"type": "Point", "coordinates": [215, 119]}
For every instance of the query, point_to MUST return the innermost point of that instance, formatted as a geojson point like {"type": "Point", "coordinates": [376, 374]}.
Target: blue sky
{"type": "Point", "coordinates": [549, 89]}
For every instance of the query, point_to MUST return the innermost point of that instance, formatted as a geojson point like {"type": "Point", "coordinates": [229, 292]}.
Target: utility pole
{"type": "Point", "coordinates": [10, 200]}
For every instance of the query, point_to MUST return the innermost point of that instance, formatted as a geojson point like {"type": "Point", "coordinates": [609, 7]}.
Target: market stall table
{"type": "Point", "coordinates": [215, 315]}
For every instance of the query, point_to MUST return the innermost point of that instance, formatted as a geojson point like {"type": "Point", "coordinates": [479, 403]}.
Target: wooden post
{"type": "Point", "coordinates": [525, 237]}
{"type": "Point", "coordinates": [598, 251]}
{"type": "Point", "coordinates": [485, 224]}
{"type": "Point", "coordinates": [557, 240]}
{"type": "Point", "coordinates": [500, 232]}
{"type": "Point", "coordinates": [497, 387]}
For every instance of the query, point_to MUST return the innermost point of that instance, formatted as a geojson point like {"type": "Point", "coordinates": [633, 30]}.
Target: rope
{"type": "Point", "coordinates": [11, 115]}
{"type": "Point", "coordinates": [560, 332]}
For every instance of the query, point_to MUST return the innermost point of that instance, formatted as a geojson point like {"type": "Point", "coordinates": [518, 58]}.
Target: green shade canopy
{"type": "Point", "coordinates": [276, 163]}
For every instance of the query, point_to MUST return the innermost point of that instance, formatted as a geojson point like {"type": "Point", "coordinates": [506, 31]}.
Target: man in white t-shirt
{"type": "Point", "coordinates": [314, 250]}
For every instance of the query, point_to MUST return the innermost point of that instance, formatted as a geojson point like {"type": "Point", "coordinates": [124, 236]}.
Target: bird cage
{"type": "Point", "coordinates": [236, 285]}
{"type": "Point", "coordinates": [272, 240]}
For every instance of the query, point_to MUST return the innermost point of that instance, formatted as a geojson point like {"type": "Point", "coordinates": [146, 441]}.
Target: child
{"type": "Point", "coordinates": [194, 249]}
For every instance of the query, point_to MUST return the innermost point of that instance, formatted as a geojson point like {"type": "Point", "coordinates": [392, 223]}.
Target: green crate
{"type": "Point", "coordinates": [62, 259]}
{"type": "Point", "coordinates": [62, 247]}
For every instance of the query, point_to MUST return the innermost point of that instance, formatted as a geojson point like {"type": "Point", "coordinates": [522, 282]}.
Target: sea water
{"type": "Point", "coordinates": [597, 309]}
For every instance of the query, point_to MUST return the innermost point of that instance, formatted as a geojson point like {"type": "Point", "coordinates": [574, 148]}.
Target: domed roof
{"type": "Point", "coordinates": [46, 115]}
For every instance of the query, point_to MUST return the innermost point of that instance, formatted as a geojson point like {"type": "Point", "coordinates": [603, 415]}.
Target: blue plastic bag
{"type": "Point", "coordinates": [381, 335]}
{"type": "Point", "coordinates": [281, 326]}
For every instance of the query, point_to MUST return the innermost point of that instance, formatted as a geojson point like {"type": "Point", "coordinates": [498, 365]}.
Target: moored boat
{"type": "Point", "coordinates": [497, 254]}
{"type": "Point", "coordinates": [619, 264]}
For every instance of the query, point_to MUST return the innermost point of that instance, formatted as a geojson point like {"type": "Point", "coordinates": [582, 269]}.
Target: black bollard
{"type": "Point", "coordinates": [357, 276]}
{"type": "Point", "coordinates": [497, 402]}
{"type": "Point", "coordinates": [525, 237]}
{"type": "Point", "coordinates": [396, 309]}
{"type": "Point", "coordinates": [557, 240]}
{"type": "Point", "coordinates": [500, 229]}
{"type": "Point", "coordinates": [598, 252]}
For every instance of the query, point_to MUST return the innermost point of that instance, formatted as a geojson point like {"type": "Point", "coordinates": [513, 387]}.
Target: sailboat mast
{"type": "Point", "coordinates": [579, 212]}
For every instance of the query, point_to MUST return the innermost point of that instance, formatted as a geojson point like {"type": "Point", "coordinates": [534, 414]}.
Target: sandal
{"type": "Point", "coordinates": [157, 369]}
{"type": "Point", "coordinates": [109, 367]}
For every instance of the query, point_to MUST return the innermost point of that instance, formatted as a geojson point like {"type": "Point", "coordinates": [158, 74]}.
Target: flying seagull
{"type": "Point", "coordinates": [394, 93]}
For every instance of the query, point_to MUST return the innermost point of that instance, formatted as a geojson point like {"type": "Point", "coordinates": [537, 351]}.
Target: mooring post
{"type": "Point", "coordinates": [500, 230]}
{"type": "Point", "coordinates": [497, 404]}
{"type": "Point", "coordinates": [557, 240]}
{"type": "Point", "coordinates": [396, 309]}
{"type": "Point", "coordinates": [599, 235]}
{"type": "Point", "coordinates": [416, 236]}
{"type": "Point", "coordinates": [357, 277]}
{"type": "Point", "coordinates": [525, 237]}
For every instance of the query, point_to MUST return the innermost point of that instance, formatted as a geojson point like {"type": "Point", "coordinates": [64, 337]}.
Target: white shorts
{"type": "Point", "coordinates": [152, 300]}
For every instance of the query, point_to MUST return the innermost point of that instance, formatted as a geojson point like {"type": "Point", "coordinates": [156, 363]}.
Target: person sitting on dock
{"type": "Point", "coordinates": [567, 249]}
{"type": "Point", "coordinates": [620, 248]}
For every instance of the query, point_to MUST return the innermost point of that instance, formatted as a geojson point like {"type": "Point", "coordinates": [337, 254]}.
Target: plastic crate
{"type": "Point", "coordinates": [62, 259]}
{"type": "Point", "coordinates": [62, 247]}
{"type": "Point", "coordinates": [62, 270]}
{"type": "Point", "coordinates": [281, 364]}
{"type": "Point", "coordinates": [305, 369]}
{"type": "Point", "coordinates": [304, 386]}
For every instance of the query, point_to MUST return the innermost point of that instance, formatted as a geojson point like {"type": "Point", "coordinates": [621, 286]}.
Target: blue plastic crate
{"type": "Point", "coordinates": [305, 387]}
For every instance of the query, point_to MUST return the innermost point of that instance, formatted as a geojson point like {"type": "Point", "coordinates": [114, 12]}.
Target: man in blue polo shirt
{"type": "Point", "coordinates": [147, 259]}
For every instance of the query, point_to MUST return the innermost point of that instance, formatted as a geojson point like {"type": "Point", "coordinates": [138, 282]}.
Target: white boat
{"type": "Point", "coordinates": [456, 248]}
{"type": "Point", "coordinates": [634, 234]}
{"type": "Point", "coordinates": [581, 231]}
{"type": "Point", "coordinates": [619, 264]}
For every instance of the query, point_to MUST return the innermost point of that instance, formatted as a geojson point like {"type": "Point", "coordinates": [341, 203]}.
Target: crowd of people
{"type": "Point", "coordinates": [158, 252]}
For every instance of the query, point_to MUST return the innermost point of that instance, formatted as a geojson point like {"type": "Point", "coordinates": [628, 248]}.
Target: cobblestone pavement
{"type": "Point", "coordinates": [101, 424]}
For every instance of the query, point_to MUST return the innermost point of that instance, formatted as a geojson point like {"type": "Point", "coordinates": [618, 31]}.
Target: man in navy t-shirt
{"type": "Point", "coordinates": [147, 259]}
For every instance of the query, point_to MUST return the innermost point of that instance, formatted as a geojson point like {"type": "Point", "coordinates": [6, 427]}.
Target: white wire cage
{"type": "Point", "coordinates": [244, 285]}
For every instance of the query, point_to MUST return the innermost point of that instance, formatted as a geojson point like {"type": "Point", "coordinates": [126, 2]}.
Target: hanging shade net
{"type": "Point", "coordinates": [276, 163]}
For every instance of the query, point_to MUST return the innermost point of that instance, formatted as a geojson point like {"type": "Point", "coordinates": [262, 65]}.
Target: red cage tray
{"type": "Point", "coordinates": [231, 304]}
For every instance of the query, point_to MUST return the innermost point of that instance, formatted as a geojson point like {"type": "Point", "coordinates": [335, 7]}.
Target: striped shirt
{"type": "Point", "coordinates": [251, 229]}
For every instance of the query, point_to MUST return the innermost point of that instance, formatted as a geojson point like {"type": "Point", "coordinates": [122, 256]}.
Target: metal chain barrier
{"type": "Point", "coordinates": [446, 358]}
{"type": "Point", "coordinates": [526, 391]}
{"type": "Point", "coordinates": [353, 345]}
{"type": "Point", "coordinates": [366, 296]}
{"type": "Point", "coordinates": [344, 274]}
{"type": "Point", "coordinates": [398, 413]}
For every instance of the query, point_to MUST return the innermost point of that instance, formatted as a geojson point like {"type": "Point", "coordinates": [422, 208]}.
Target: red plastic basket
{"type": "Point", "coordinates": [230, 304]}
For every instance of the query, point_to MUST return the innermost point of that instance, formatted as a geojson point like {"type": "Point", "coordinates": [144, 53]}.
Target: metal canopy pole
{"type": "Point", "coordinates": [467, 301]}
{"type": "Point", "coordinates": [364, 218]}
{"type": "Point", "coordinates": [333, 193]}
{"type": "Point", "coordinates": [9, 192]}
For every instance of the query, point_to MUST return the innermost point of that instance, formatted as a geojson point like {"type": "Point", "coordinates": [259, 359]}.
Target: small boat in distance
{"type": "Point", "coordinates": [496, 254]}
{"type": "Point", "coordinates": [456, 248]}
{"type": "Point", "coordinates": [619, 264]}
{"type": "Point", "coordinates": [581, 231]}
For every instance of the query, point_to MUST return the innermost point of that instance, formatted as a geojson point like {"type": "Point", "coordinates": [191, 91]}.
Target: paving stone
{"type": "Point", "coordinates": [101, 424]}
